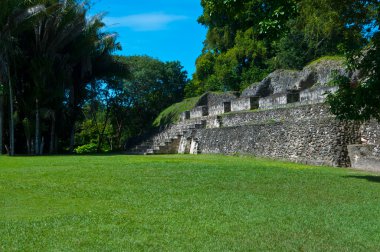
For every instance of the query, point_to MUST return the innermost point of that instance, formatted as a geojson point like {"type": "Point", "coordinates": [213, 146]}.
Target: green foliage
{"type": "Point", "coordinates": [327, 58]}
{"type": "Point", "coordinates": [248, 39]}
{"type": "Point", "coordinates": [51, 52]}
{"type": "Point", "coordinates": [360, 100]}
{"type": "Point", "coordinates": [237, 46]}
{"type": "Point", "coordinates": [86, 149]}
{"type": "Point", "coordinates": [62, 68]}
{"type": "Point", "coordinates": [184, 203]}
{"type": "Point", "coordinates": [153, 86]}
{"type": "Point", "coordinates": [171, 114]}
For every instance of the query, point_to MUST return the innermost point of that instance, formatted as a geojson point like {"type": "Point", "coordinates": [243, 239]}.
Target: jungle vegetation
{"type": "Point", "coordinates": [62, 87]}
{"type": "Point", "coordinates": [248, 39]}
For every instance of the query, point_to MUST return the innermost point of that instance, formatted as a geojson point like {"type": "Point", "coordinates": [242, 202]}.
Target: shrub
{"type": "Point", "coordinates": [85, 149]}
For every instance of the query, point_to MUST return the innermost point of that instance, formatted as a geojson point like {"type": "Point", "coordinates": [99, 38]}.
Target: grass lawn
{"type": "Point", "coordinates": [184, 203]}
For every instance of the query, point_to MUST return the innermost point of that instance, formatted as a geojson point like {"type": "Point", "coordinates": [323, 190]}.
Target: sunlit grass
{"type": "Point", "coordinates": [173, 112]}
{"type": "Point", "coordinates": [184, 203]}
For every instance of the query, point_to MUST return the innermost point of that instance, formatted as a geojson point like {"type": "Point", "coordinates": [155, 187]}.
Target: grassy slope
{"type": "Point", "coordinates": [184, 203]}
{"type": "Point", "coordinates": [172, 113]}
{"type": "Point", "coordinates": [333, 58]}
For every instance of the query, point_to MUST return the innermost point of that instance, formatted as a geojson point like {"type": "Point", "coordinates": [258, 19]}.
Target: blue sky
{"type": "Point", "coordinates": [164, 29]}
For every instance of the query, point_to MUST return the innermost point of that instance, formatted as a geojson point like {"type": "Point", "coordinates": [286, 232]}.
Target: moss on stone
{"type": "Point", "coordinates": [171, 114]}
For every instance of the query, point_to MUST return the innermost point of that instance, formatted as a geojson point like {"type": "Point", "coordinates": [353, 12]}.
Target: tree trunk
{"type": "Point", "coordinates": [101, 135]}
{"type": "Point", "coordinates": [11, 121]}
{"type": "Point", "coordinates": [72, 138]}
{"type": "Point", "coordinates": [28, 146]}
{"type": "Point", "coordinates": [1, 122]}
{"type": "Point", "coordinates": [72, 118]}
{"type": "Point", "coordinates": [52, 134]}
{"type": "Point", "coordinates": [37, 139]}
{"type": "Point", "coordinates": [42, 144]}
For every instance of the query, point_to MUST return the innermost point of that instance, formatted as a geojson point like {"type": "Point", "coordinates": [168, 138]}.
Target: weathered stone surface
{"type": "Point", "coordinates": [245, 103]}
{"type": "Point", "coordinates": [216, 109]}
{"type": "Point", "coordinates": [320, 73]}
{"type": "Point", "coordinates": [185, 115]}
{"type": "Point", "coordinates": [291, 124]}
{"type": "Point", "coordinates": [273, 101]}
{"type": "Point", "coordinates": [365, 157]}
{"type": "Point", "coordinates": [251, 90]}
{"type": "Point", "coordinates": [214, 99]}
{"type": "Point", "coordinates": [317, 95]}
{"type": "Point", "coordinates": [280, 81]}
{"type": "Point", "coordinates": [321, 142]}
{"type": "Point", "coordinates": [199, 112]}
{"type": "Point", "coordinates": [370, 133]}
{"type": "Point", "coordinates": [297, 113]}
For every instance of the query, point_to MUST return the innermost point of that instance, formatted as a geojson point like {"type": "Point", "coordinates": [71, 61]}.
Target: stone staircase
{"type": "Point", "coordinates": [167, 141]}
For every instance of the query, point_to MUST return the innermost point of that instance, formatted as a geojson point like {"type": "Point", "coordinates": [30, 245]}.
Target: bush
{"type": "Point", "coordinates": [86, 149]}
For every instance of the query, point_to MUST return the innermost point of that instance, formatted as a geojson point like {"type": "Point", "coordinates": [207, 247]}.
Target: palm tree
{"type": "Point", "coordinates": [63, 56]}
{"type": "Point", "coordinates": [1, 117]}
{"type": "Point", "coordinates": [12, 21]}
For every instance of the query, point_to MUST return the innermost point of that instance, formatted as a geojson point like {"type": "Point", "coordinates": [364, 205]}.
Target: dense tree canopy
{"type": "Point", "coordinates": [361, 100]}
{"type": "Point", "coordinates": [247, 39]}
{"type": "Point", "coordinates": [127, 108]}
{"type": "Point", "coordinates": [62, 86]}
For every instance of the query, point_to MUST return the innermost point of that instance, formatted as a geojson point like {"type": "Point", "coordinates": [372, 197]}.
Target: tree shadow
{"type": "Point", "coordinates": [369, 178]}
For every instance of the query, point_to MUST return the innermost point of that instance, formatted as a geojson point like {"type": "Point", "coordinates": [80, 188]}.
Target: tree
{"type": "Point", "coordinates": [248, 39]}
{"type": "Point", "coordinates": [360, 100]}
{"type": "Point", "coordinates": [12, 20]}
{"type": "Point", "coordinates": [152, 86]}
{"type": "Point", "coordinates": [239, 42]}
{"type": "Point", "coordinates": [50, 53]}
{"type": "Point", "coordinates": [1, 117]}
{"type": "Point", "coordinates": [67, 54]}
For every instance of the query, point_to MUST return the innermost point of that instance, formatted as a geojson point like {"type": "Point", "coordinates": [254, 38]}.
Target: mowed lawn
{"type": "Point", "coordinates": [184, 203]}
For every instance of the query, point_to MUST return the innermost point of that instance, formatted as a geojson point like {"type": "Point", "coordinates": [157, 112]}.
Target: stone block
{"type": "Point", "coordinates": [185, 115]}
{"type": "Point", "coordinates": [216, 110]}
{"type": "Point", "coordinates": [313, 96]}
{"type": "Point", "coordinates": [199, 112]}
{"type": "Point", "coordinates": [364, 157]}
{"type": "Point", "coordinates": [244, 103]}
{"type": "Point", "coordinates": [273, 101]}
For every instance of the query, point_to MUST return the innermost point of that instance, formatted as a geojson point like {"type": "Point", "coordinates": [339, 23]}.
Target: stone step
{"type": "Point", "coordinates": [149, 152]}
{"type": "Point", "coordinates": [143, 147]}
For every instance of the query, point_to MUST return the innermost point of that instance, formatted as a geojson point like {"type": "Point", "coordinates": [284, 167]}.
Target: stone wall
{"type": "Point", "coordinates": [297, 113]}
{"type": "Point", "coordinates": [321, 141]}
{"type": "Point", "coordinates": [199, 111]}
{"type": "Point", "coordinates": [245, 103]}
{"type": "Point", "coordinates": [370, 133]}
{"type": "Point", "coordinates": [211, 99]}
{"type": "Point", "coordinates": [318, 74]}
{"type": "Point", "coordinates": [292, 98]}
{"type": "Point", "coordinates": [216, 110]}
{"type": "Point", "coordinates": [317, 95]}
{"type": "Point", "coordinates": [273, 101]}
{"type": "Point", "coordinates": [282, 117]}
{"type": "Point", "coordinates": [365, 157]}
{"type": "Point", "coordinates": [302, 133]}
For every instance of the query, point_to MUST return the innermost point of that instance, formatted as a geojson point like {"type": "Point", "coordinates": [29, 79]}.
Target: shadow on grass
{"type": "Point", "coordinates": [375, 179]}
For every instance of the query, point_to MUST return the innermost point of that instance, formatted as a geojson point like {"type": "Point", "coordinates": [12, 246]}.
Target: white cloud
{"type": "Point", "coordinates": [144, 22]}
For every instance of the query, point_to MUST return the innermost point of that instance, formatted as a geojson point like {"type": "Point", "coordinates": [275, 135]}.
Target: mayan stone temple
{"type": "Point", "coordinates": [283, 117]}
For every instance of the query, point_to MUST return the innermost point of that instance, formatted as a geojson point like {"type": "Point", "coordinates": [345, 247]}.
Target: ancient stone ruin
{"type": "Point", "coordinates": [283, 117]}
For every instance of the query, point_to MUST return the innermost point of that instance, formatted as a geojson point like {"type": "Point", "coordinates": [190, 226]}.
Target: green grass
{"type": "Point", "coordinates": [172, 113]}
{"type": "Point", "coordinates": [324, 58]}
{"type": "Point", "coordinates": [184, 203]}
